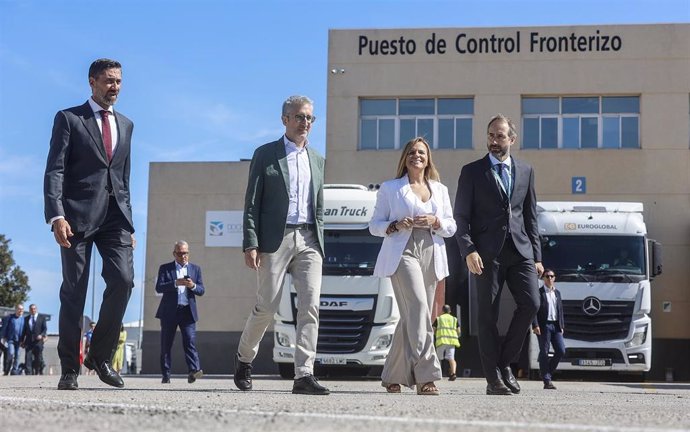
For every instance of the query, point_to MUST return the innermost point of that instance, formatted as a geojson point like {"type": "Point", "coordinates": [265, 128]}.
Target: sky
{"type": "Point", "coordinates": [203, 80]}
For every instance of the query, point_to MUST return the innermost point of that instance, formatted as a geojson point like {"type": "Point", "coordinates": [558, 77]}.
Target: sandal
{"type": "Point", "coordinates": [428, 389]}
{"type": "Point", "coordinates": [393, 388]}
{"type": "Point", "coordinates": [452, 377]}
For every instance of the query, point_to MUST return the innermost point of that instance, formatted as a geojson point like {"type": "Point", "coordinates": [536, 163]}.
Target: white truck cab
{"type": "Point", "coordinates": [604, 264]}
{"type": "Point", "coordinates": [358, 312]}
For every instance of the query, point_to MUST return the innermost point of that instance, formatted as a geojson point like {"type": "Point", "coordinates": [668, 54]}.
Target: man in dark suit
{"type": "Point", "coordinates": [87, 202]}
{"type": "Point", "coordinates": [549, 325]}
{"type": "Point", "coordinates": [495, 209]}
{"type": "Point", "coordinates": [283, 232]}
{"type": "Point", "coordinates": [180, 282]}
{"type": "Point", "coordinates": [35, 334]}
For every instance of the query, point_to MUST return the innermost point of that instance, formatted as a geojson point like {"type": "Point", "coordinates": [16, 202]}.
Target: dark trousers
{"type": "Point", "coordinates": [550, 335]}
{"type": "Point", "coordinates": [521, 277]}
{"type": "Point", "coordinates": [6, 365]}
{"type": "Point", "coordinates": [34, 359]}
{"type": "Point", "coordinates": [185, 321]}
{"type": "Point", "coordinates": [114, 244]}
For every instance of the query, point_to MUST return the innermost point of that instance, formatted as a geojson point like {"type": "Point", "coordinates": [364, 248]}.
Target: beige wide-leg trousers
{"type": "Point", "coordinates": [298, 254]}
{"type": "Point", "coordinates": [412, 357]}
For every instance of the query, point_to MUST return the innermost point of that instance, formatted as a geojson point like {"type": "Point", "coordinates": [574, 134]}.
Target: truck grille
{"type": "Point", "coordinates": [342, 331]}
{"type": "Point", "coordinates": [611, 323]}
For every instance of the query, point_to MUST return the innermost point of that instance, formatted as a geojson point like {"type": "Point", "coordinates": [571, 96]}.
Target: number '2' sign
{"type": "Point", "coordinates": [579, 185]}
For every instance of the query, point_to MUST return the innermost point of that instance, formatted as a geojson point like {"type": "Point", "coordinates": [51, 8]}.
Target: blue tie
{"type": "Point", "coordinates": [503, 175]}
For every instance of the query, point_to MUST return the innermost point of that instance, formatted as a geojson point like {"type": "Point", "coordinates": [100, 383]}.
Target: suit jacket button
{"type": "Point", "coordinates": [503, 228]}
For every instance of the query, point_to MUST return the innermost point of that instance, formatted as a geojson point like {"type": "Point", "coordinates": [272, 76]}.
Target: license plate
{"type": "Point", "coordinates": [593, 362]}
{"type": "Point", "coordinates": [331, 360]}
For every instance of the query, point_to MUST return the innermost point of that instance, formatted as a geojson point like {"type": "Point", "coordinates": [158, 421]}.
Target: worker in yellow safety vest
{"type": "Point", "coordinates": [447, 332]}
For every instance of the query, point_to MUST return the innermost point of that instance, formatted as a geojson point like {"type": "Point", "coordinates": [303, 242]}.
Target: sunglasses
{"type": "Point", "coordinates": [550, 276]}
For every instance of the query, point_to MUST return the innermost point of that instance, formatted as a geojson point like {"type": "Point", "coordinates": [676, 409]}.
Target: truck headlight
{"type": "Point", "coordinates": [639, 337]}
{"type": "Point", "coordinates": [283, 340]}
{"type": "Point", "coordinates": [382, 342]}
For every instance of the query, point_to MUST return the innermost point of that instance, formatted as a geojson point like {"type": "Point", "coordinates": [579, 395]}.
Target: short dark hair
{"type": "Point", "coordinates": [547, 271]}
{"type": "Point", "coordinates": [446, 309]}
{"type": "Point", "coordinates": [98, 66]}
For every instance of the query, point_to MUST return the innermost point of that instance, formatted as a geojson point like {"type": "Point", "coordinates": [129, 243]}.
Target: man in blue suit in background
{"type": "Point", "coordinates": [12, 331]}
{"type": "Point", "coordinates": [180, 282]}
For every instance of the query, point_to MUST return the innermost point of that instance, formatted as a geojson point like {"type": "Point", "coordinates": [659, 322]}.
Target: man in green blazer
{"type": "Point", "coordinates": [283, 232]}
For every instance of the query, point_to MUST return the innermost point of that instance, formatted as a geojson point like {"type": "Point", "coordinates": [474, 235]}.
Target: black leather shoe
{"type": "Point", "coordinates": [243, 374]}
{"type": "Point", "coordinates": [194, 375]}
{"type": "Point", "coordinates": [105, 372]}
{"type": "Point", "coordinates": [165, 380]}
{"type": "Point", "coordinates": [68, 381]}
{"type": "Point", "coordinates": [497, 388]}
{"type": "Point", "coordinates": [509, 380]}
{"type": "Point", "coordinates": [548, 385]}
{"type": "Point", "coordinates": [309, 385]}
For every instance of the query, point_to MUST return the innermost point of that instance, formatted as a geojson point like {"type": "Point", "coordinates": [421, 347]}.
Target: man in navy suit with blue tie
{"type": "Point", "coordinates": [496, 214]}
{"type": "Point", "coordinates": [180, 282]}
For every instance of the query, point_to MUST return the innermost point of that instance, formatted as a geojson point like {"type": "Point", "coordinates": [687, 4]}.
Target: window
{"type": "Point", "coordinates": [446, 123]}
{"type": "Point", "coordinates": [581, 122]}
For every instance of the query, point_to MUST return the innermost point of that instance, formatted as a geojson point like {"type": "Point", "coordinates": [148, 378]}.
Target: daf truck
{"type": "Point", "coordinates": [604, 264]}
{"type": "Point", "coordinates": [358, 312]}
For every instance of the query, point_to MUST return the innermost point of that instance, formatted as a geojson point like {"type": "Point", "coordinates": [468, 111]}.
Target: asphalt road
{"type": "Point", "coordinates": [213, 403]}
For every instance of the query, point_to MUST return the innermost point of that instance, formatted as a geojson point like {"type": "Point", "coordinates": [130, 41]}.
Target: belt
{"type": "Point", "coordinates": [551, 322]}
{"type": "Point", "coordinates": [181, 306]}
{"type": "Point", "coordinates": [302, 226]}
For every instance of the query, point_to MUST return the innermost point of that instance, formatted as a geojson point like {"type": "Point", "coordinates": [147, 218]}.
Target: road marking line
{"type": "Point", "coordinates": [355, 417]}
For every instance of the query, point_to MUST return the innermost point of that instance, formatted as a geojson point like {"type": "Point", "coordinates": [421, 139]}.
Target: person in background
{"type": "Point", "coordinates": [549, 325]}
{"type": "Point", "coordinates": [13, 330]}
{"type": "Point", "coordinates": [180, 282]}
{"type": "Point", "coordinates": [283, 232]}
{"type": "Point", "coordinates": [496, 213]}
{"type": "Point", "coordinates": [447, 335]}
{"type": "Point", "coordinates": [4, 351]}
{"type": "Point", "coordinates": [118, 357]}
{"type": "Point", "coordinates": [413, 214]}
{"type": "Point", "coordinates": [35, 334]}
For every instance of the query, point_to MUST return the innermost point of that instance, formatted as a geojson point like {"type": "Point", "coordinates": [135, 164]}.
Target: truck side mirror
{"type": "Point", "coordinates": [656, 258]}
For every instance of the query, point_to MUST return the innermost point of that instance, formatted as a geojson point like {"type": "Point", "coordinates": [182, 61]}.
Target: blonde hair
{"type": "Point", "coordinates": [430, 172]}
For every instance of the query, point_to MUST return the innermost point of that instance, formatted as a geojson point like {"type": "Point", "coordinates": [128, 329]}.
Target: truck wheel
{"type": "Point", "coordinates": [286, 370]}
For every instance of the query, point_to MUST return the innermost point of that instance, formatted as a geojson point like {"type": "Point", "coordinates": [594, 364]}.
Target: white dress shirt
{"type": "Point", "coordinates": [300, 205]}
{"type": "Point", "coordinates": [111, 119]}
{"type": "Point", "coordinates": [182, 299]}
{"type": "Point", "coordinates": [551, 299]}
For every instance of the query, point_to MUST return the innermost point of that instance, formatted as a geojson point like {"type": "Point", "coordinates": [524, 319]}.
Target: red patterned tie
{"type": "Point", "coordinates": [107, 137]}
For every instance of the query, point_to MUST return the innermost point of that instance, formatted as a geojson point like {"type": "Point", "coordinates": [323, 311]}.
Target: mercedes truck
{"type": "Point", "coordinates": [604, 264]}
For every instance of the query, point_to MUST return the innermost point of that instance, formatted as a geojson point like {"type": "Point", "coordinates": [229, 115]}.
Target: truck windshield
{"type": "Point", "coordinates": [595, 258]}
{"type": "Point", "coordinates": [350, 252]}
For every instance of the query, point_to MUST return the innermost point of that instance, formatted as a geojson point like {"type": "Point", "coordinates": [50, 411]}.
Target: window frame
{"type": "Point", "coordinates": [600, 116]}
{"type": "Point", "coordinates": [434, 139]}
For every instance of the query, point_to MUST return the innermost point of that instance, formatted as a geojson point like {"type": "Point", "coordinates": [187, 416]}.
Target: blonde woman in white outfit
{"type": "Point", "coordinates": [413, 214]}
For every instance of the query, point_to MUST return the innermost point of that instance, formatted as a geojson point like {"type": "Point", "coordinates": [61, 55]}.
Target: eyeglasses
{"type": "Point", "coordinates": [550, 276]}
{"type": "Point", "coordinates": [498, 137]}
{"type": "Point", "coordinates": [181, 253]}
{"type": "Point", "coordinates": [302, 118]}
